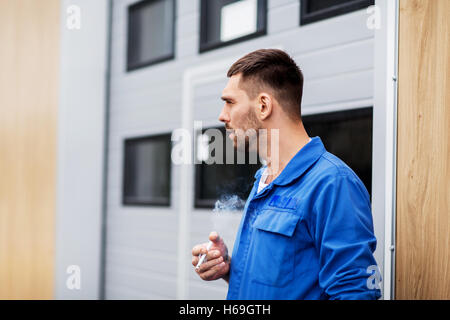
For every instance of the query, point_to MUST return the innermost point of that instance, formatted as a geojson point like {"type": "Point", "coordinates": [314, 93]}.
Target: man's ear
{"type": "Point", "coordinates": [265, 106]}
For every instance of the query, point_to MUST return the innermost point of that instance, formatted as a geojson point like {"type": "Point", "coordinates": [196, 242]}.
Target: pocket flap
{"type": "Point", "coordinates": [281, 222]}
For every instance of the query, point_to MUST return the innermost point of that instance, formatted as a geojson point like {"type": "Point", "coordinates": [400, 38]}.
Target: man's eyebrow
{"type": "Point", "coordinates": [226, 98]}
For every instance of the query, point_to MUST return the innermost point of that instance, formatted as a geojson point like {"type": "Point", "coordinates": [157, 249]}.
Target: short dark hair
{"type": "Point", "coordinates": [275, 69]}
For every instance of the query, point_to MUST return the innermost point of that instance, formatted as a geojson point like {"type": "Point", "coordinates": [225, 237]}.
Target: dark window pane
{"type": "Point", "coordinates": [317, 5]}
{"type": "Point", "coordinates": [221, 181]}
{"type": "Point", "coordinates": [150, 33]}
{"type": "Point", "coordinates": [213, 19]}
{"type": "Point", "coordinates": [147, 170]}
{"type": "Point", "coordinates": [348, 135]}
{"type": "Point", "coordinates": [229, 21]}
{"type": "Point", "coordinates": [316, 10]}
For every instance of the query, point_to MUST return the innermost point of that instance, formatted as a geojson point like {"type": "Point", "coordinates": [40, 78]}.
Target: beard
{"type": "Point", "coordinates": [245, 138]}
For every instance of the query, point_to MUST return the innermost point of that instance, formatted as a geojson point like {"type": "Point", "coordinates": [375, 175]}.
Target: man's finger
{"type": "Point", "coordinates": [207, 275]}
{"type": "Point", "coordinates": [207, 265]}
{"type": "Point", "coordinates": [196, 250]}
{"type": "Point", "coordinates": [199, 249]}
{"type": "Point", "coordinates": [213, 254]}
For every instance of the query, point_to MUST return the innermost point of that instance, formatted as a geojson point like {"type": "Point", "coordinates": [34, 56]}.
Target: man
{"type": "Point", "coordinates": [307, 230]}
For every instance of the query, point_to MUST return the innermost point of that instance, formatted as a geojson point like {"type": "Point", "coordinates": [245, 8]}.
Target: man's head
{"type": "Point", "coordinates": [264, 92]}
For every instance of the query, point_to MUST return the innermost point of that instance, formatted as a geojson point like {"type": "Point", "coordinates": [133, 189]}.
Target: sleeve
{"type": "Point", "coordinates": [345, 240]}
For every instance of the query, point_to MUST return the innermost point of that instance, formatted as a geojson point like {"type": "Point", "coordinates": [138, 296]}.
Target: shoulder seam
{"type": "Point", "coordinates": [338, 168]}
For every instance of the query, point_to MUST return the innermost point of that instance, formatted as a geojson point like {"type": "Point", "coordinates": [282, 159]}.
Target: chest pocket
{"type": "Point", "coordinates": [272, 247]}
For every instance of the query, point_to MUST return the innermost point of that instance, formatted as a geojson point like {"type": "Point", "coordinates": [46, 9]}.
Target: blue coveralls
{"type": "Point", "coordinates": [307, 235]}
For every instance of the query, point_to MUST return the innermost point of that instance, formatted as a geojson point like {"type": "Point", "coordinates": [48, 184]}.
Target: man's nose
{"type": "Point", "coordinates": [224, 116]}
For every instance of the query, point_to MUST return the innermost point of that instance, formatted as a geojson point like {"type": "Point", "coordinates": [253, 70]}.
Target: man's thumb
{"type": "Point", "coordinates": [214, 237]}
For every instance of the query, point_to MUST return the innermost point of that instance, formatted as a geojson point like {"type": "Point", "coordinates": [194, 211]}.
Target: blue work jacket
{"type": "Point", "coordinates": [307, 235]}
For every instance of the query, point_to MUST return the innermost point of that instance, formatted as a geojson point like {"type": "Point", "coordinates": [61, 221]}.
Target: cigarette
{"type": "Point", "coordinates": [203, 256]}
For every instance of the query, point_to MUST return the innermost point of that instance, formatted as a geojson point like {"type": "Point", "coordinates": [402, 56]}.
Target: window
{"type": "Point", "coordinates": [151, 32]}
{"type": "Point", "coordinates": [146, 179]}
{"type": "Point", "coordinates": [315, 10]}
{"type": "Point", "coordinates": [225, 22]}
{"type": "Point", "coordinates": [221, 181]}
{"type": "Point", "coordinates": [348, 135]}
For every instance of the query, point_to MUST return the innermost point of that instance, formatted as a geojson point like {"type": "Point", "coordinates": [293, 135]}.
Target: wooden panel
{"type": "Point", "coordinates": [29, 37]}
{"type": "Point", "coordinates": [423, 185]}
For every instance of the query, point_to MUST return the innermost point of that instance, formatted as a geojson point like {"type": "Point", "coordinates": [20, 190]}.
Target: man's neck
{"type": "Point", "coordinates": [290, 140]}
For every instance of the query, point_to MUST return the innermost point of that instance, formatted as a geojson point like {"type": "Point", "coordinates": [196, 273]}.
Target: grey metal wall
{"type": "Point", "coordinates": [336, 56]}
{"type": "Point", "coordinates": [81, 133]}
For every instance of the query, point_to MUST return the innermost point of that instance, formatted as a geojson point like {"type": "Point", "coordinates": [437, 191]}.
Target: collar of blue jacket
{"type": "Point", "coordinates": [303, 159]}
{"type": "Point", "coordinates": [307, 235]}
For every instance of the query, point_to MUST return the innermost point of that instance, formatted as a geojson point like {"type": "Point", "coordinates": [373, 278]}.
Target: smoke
{"type": "Point", "coordinates": [226, 215]}
{"type": "Point", "coordinates": [229, 203]}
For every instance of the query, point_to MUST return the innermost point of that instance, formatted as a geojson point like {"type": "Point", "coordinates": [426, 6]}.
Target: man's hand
{"type": "Point", "coordinates": [217, 262]}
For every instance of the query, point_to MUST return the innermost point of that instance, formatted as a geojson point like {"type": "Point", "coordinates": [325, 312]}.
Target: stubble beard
{"type": "Point", "coordinates": [250, 142]}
